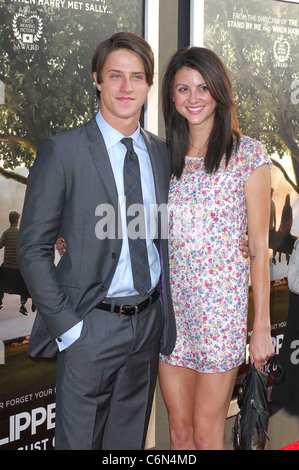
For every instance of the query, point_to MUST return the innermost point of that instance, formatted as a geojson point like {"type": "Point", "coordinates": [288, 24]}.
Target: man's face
{"type": "Point", "coordinates": [123, 89]}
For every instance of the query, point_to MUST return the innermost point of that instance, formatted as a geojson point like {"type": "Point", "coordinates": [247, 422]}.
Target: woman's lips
{"type": "Point", "coordinates": [195, 110]}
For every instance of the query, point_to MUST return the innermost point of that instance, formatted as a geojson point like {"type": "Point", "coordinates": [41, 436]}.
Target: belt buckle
{"type": "Point", "coordinates": [123, 314]}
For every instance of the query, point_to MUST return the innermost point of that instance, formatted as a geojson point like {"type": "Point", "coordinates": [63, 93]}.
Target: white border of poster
{"type": "Point", "coordinates": [152, 36]}
{"type": "Point", "coordinates": [196, 30]}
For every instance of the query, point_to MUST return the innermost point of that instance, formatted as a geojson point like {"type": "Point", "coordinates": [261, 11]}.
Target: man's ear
{"type": "Point", "coordinates": [95, 77]}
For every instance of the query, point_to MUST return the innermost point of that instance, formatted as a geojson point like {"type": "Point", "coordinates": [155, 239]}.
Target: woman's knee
{"type": "Point", "coordinates": [209, 435]}
{"type": "Point", "coordinates": [181, 435]}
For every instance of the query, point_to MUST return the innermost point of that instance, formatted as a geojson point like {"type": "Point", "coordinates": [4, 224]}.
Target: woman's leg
{"type": "Point", "coordinates": [177, 387]}
{"type": "Point", "coordinates": [212, 396]}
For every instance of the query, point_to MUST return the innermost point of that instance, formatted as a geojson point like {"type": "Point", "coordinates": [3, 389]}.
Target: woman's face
{"type": "Point", "coordinates": [192, 98]}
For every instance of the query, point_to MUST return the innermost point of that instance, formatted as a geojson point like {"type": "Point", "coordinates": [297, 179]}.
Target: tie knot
{"type": "Point", "coordinates": [128, 143]}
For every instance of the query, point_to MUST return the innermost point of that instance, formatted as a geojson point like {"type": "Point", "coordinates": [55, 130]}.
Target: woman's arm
{"type": "Point", "coordinates": [257, 192]}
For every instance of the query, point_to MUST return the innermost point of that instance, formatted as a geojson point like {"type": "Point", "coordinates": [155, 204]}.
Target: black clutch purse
{"type": "Point", "coordinates": [251, 423]}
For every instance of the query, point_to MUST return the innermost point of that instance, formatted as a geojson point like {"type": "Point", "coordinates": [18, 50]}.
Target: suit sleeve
{"type": "Point", "coordinates": [40, 224]}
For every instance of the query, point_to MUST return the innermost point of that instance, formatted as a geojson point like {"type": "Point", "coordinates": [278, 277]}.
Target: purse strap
{"type": "Point", "coordinates": [274, 360]}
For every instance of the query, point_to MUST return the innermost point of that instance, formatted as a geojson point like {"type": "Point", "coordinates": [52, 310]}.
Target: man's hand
{"type": "Point", "coordinates": [244, 248]}
{"type": "Point", "coordinates": [60, 246]}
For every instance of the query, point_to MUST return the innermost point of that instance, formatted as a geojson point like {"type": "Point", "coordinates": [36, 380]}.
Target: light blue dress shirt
{"type": "Point", "coordinates": [122, 283]}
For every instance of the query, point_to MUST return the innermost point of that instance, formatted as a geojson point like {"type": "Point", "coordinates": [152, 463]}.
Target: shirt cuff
{"type": "Point", "coordinates": [69, 337]}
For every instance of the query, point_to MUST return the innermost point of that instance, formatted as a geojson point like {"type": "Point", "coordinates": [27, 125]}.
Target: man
{"type": "Point", "coordinates": [108, 333]}
{"type": "Point", "coordinates": [11, 278]}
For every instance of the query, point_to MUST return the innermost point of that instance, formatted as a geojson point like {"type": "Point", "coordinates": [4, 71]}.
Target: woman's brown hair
{"type": "Point", "coordinates": [225, 130]}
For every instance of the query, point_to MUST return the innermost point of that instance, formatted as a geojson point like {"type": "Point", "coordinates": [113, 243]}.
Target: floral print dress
{"type": "Point", "coordinates": [209, 276]}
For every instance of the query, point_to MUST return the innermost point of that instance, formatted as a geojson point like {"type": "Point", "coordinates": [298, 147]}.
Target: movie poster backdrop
{"type": "Point", "coordinates": [46, 87]}
{"type": "Point", "coordinates": [259, 43]}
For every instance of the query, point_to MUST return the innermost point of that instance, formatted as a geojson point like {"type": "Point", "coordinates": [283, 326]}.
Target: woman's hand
{"type": "Point", "coordinates": [260, 347]}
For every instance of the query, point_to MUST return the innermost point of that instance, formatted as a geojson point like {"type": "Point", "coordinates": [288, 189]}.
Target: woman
{"type": "Point", "coordinates": [220, 188]}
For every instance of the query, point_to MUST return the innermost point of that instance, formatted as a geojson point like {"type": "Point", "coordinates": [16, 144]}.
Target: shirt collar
{"type": "Point", "coordinates": [111, 135]}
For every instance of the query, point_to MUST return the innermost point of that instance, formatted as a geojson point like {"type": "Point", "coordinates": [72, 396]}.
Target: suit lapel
{"type": "Point", "coordinates": [161, 197]}
{"type": "Point", "coordinates": [101, 160]}
{"type": "Point", "coordinates": [157, 166]}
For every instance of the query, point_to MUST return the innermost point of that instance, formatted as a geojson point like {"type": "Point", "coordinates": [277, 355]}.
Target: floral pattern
{"type": "Point", "coordinates": [209, 275]}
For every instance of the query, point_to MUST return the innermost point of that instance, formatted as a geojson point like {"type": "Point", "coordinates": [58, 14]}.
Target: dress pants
{"type": "Point", "coordinates": [106, 381]}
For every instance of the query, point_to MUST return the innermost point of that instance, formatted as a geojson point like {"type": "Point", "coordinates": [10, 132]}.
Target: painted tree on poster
{"type": "Point", "coordinates": [48, 86]}
{"type": "Point", "coordinates": [259, 43]}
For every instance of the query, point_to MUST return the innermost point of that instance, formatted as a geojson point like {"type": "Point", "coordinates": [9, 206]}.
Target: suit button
{"type": "Point", "coordinates": [114, 255]}
{"type": "Point", "coordinates": [59, 340]}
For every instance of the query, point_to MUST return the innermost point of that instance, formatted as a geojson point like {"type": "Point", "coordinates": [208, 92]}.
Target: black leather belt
{"type": "Point", "coordinates": [131, 310]}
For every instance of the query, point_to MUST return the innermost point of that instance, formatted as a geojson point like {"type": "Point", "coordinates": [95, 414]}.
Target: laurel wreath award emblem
{"type": "Point", "coordinates": [281, 50]}
{"type": "Point", "coordinates": [27, 29]}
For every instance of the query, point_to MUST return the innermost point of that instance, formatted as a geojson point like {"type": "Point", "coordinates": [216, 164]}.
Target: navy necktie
{"type": "Point", "coordinates": [136, 220]}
